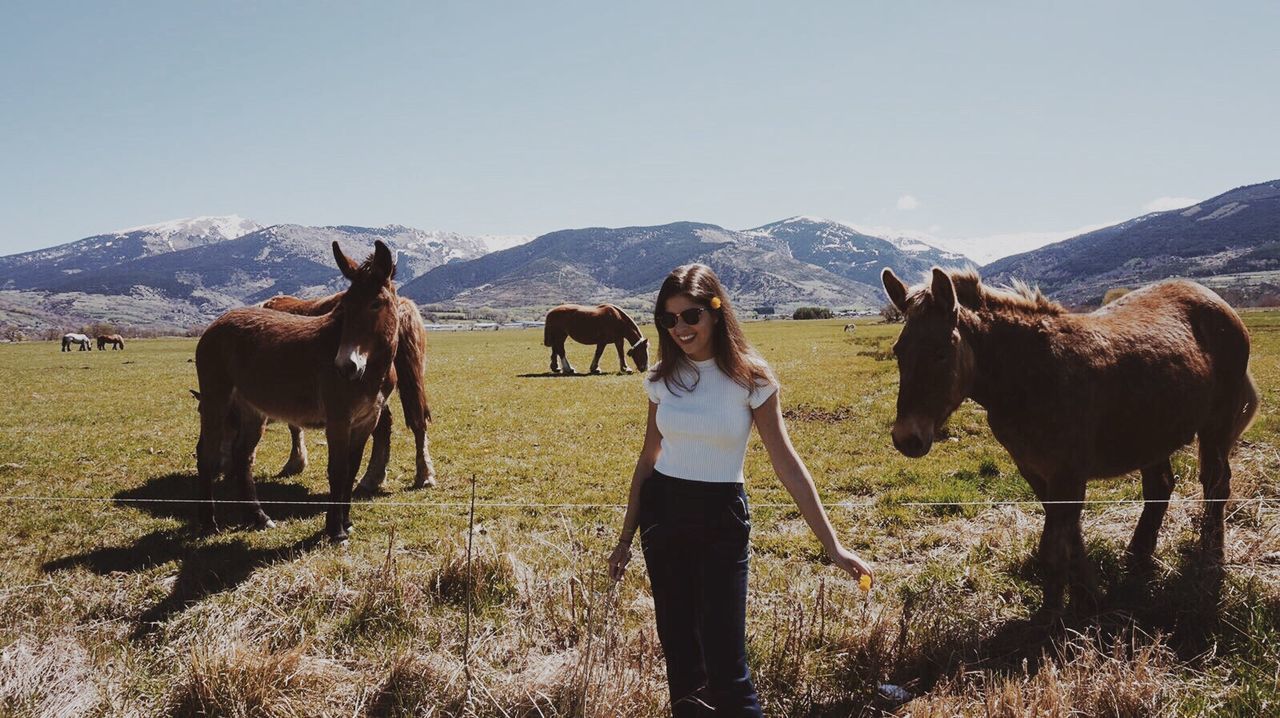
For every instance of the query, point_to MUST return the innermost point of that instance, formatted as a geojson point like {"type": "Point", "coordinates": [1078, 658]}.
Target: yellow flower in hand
{"type": "Point", "coordinates": [864, 583]}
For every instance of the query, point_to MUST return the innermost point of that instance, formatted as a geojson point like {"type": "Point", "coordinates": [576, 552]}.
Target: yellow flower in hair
{"type": "Point", "coordinates": [715, 302]}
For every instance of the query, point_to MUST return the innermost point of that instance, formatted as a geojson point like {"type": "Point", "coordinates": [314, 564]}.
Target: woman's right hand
{"type": "Point", "coordinates": [618, 560]}
{"type": "Point", "coordinates": [851, 562]}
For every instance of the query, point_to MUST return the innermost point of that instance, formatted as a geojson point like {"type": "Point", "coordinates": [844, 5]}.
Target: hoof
{"type": "Point", "coordinates": [339, 539]}
{"type": "Point", "coordinates": [209, 528]}
{"type": "Point", "coordinates": [292, 469]}
{"type": "Point", "coordinates": [626, 370]}
{"type": "Point", "coordinates": [362, 493]}
{"type": "Point", "coordinates": [555, 370]}
{"type": "Point", "coordinates": [423, 482]}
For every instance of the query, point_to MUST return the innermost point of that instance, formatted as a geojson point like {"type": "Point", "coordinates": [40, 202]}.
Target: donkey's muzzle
{"type": "Point", "coordinates": [910, 441]}
{"type": "Point", "coordinates": [351, 365]}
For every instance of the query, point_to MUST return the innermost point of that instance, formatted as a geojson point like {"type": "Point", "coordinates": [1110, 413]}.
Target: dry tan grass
{"type": "Point", "coordinates": [1084, 676]}
{"type": "Point", "coordinates": [241, 681]}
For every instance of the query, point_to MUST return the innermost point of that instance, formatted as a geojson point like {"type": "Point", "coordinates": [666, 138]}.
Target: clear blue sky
{"type": "Point", "coordinates": [963, 119]}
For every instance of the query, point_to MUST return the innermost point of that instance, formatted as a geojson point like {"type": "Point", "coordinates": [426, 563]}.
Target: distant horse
{"type": "Point", "coordinates": [601, 325]}
{"type": "Point", "coordinates": [333, 371]}
{"type": "Point", "coordinates": [1080, 396]}
{"type": "Point", "coordinates": [410, 360]}
{"type": "Point", "coordinates": [83, 341]}
{"type": "Point", "coordinates": [115, 340]}
{"type": "Point", "coordinates": [850, 327]}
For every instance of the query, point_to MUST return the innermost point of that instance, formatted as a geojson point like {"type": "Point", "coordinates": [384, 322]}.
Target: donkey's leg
{"type": "Point", "coordinates": [243, 450]}
{"type": "Point", "coordinates": [376, 473]}
{"type": "Point", "coordinates": [1062, 556]}
{"type": "Point", "coordinates": [356, 454]}
{"type": "Point", "coordinates": [1215, 478]}
{"type": "Point", "coordinates": [297, 462]}
{"type": "Point", "coordinates": [213, 423]}
{"type": "Point", "coordinates": [595, 361]}
{"type": "Point", "coordinates": [622, 358]}
{"type": "Point", "coordinates": [1157, 486]}
{"type": "Point", "coordinates": [425, 473]}
{"type": "Point", "coordinates": [337, 432]}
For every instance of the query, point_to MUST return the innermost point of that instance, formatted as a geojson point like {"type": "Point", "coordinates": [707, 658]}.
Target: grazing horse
{"type": "Point", "coordinates": [81, 340]}
{"type": "Point", "coordinates": [601, 325]}
{"type": "Point", "coordinates": [410, 359]}
{"type": "Point", "coordinates": [1079, 396]}
{"type": "Point", "coordinates": [334, 371]}
{"type": "Point", "coordinates": [115, 340]}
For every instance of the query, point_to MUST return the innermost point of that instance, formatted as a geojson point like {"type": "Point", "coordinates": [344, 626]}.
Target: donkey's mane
{"type": "Point", "coordinates": [1020, 297]}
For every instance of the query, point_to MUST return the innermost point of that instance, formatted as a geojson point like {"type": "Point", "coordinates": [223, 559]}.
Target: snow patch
{"type": "Point", "coordinates": [227, 226]}
{"type": "Point", "coordinates": [1224, 211]}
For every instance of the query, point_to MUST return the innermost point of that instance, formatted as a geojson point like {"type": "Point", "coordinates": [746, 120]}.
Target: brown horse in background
{"type": "Point", "coordinates": [115, 340]}
{"type": "Point", "coordinates": [333, 370]}
{"type": "Point", "coordinates": [601, 325]}
{"type": "Point", "coordinates": [1079, 396]}
{"type": "Point", "coordinates": [410, 361]}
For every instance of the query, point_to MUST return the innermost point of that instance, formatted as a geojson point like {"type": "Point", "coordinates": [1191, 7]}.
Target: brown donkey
{"type": "Point", "coordinates": [1079, 396]}
{"type": "Point", "coordinates": [333, 371]}
{"type": "Point", "coordinates": [410, 360]}
{"type": "Point", "coordinates": [601, 325]}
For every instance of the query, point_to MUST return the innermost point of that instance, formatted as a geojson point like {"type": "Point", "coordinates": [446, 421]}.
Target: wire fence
{"type": "Point", "coordinates": [870, 503]}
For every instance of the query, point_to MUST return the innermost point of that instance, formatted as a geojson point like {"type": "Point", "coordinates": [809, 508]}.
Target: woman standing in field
{"type": "Point", "coordinates": [687, 494]}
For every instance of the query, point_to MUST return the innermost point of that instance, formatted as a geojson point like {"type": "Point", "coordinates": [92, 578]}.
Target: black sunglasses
{"type": "Point", "coordinates": [691, 316]}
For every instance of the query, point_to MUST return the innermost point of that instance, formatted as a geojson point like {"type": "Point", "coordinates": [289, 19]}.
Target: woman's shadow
{"type": "Point", "coordinates": [206, 565]}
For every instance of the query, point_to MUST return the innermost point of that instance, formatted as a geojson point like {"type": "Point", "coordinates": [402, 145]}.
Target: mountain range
{"type": "Point", "coordinates": [183, 273]}
{"type": "Point", "coordinates": [1231, 241]}
{"type": "Point", "coordinates": [798, 260]}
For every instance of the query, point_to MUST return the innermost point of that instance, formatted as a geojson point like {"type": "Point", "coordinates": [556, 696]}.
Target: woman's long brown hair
{"type": "Point", "coordinates": [733, 355]}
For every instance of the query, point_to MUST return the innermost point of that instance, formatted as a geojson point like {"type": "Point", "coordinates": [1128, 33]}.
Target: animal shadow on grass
{"type": "Point", "coordinates": [172, 496]}
{"type": "Point", "coordinates": [204, 568]}
{"type": "Point", "coordinates": [1182, 606]}
{"type": "Point", "coordinates": [554, 375]}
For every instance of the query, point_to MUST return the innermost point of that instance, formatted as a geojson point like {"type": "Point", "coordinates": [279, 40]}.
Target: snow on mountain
{"type": "Point", "coordinates": [225, 227]}
{"type": "Point", "coordinates": [499, 242]}
{"type": "Point", "coordinates": [982, 249]}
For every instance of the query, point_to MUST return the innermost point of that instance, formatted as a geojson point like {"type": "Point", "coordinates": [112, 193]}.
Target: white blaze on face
{"type": "Point", "coordinates": [352, 360]}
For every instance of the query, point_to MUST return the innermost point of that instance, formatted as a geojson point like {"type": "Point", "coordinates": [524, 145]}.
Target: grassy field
{"type": "Point", "coordinates": [111, 605]}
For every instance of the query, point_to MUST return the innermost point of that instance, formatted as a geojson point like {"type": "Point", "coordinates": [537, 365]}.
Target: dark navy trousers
{"type": "Point", "coordinates": [695, 535]}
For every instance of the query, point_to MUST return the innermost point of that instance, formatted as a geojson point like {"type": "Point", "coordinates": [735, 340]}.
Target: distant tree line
{"type": "Point", "coordinates": [812, 313]}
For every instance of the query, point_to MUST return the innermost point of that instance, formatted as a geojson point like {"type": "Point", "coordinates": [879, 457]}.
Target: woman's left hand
{"type": "Point", "coordinates": [851, 562]}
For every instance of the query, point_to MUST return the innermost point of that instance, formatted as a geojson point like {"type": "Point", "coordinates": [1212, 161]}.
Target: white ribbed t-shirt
{"type": "Point", "coordinates": [705, 431]}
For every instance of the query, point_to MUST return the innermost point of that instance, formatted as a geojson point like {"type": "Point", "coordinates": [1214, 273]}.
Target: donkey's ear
{"type": "Point", "coordinates": [384, 259]}
{"type": "Point", "coordinates": [894, 287]}
{"type": "Point", "coordinates": [347, 266]}
{"type": "Point", "coordinates": [943, 291]}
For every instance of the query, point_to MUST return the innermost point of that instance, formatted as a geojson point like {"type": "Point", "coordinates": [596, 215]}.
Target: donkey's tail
{"type": "Point", "coordinates": [548, 335]}
{"type": "Point", "coordinates": [1248, 405]}
{"type": "Point", "coordinates": [411, 363]}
